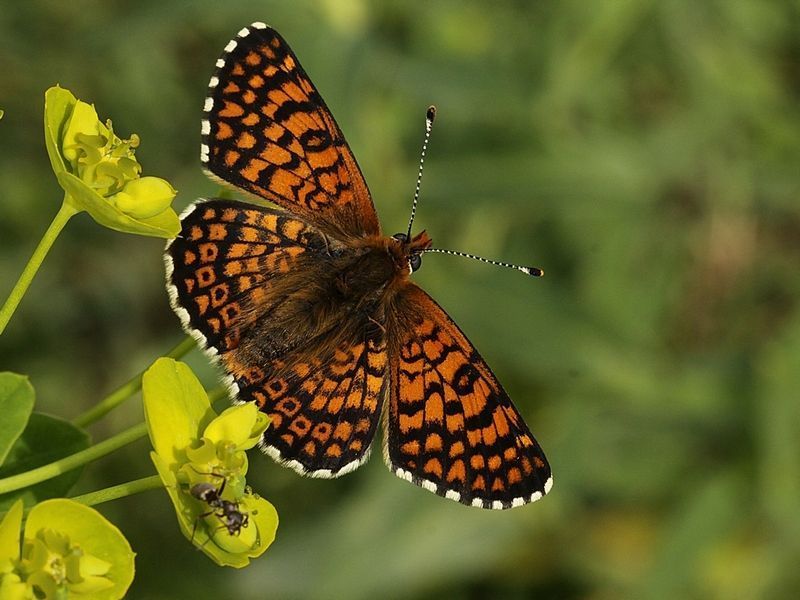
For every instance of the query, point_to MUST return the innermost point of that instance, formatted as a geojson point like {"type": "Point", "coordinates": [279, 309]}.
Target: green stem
{"type": "Point", "coordinates": [120, 491]}
{"type": "Point", "coordinates": [62, 216]}
{"type": "Point", "coordinates": [54, 469]}
{"type": "Point", "coordinates": [126, 390]}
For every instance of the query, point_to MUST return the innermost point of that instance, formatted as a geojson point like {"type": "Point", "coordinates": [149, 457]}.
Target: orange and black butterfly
{"type": "Point", "coordinates": [311, 311]}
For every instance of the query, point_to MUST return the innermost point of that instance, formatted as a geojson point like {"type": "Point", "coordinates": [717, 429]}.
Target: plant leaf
{"type": "Point", "coordinates": [45, 439]}
{"type": "Point", "coordinates": [58, 106]}
{"type": "Point", "coordinates": [176, 408]}
{"type": "Point", "coordinates": [9, 533]}
{"type": "Point", "coordinates": [16, 404]}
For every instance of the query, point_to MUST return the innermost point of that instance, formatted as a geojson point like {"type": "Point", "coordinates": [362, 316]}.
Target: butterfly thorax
{"type": "Point", "coordinates": [364, 275]}
{"type": "Point", "coordinates": [329, 296]}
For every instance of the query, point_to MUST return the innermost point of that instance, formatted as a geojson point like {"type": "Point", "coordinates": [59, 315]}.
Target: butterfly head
{"type": "Point", "coordinates": [409, 251]}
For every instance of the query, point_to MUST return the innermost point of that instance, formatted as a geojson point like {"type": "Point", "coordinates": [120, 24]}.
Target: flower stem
{"type": "Point", "coordinates": [62, 216]}
{"type": "Point", "coordinates": [126, 390]}
{"type": "Point", "coordinates": [54, 469]}
{"type": "Point", "coordinates": [120, 491]}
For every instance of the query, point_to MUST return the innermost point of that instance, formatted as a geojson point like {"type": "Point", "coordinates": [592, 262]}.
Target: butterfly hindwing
{"type": "Point", "coordinates": [267, 130]}
{"type": "Point", "coordinates": [452, 429]}
{"type": "Point", "coordinates": [324, 406]}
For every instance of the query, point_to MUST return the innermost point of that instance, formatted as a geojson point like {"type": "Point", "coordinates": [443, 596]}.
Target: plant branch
{"type": "Point", "coordinates": [126, 390]}
{"type": "Point", "coordinates": [120, 491]}
{"type": "Point", "coordinates": [62, 216]}
{"type": "Point", "coordinates": [54, 469]}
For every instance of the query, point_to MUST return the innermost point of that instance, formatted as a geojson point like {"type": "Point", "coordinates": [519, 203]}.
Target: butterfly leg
{"type": "Point", "coordinates": [327, 245]}
{"type": "Point", "coordinates": [377, 324]}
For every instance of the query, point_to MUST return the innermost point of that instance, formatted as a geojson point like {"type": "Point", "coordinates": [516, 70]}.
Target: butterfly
{"type": "Point", "coordinates": [311, 311]}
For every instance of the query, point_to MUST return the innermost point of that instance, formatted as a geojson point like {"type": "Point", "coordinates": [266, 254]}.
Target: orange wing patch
{"type": "Point", "coordinates": [268, 131]}
{"type": "Point", "coordinates": [224, 263]}
{"type": "Point", "coordinates": [324, 410]}
{"type": "Point", "coordinates": [452, 428]}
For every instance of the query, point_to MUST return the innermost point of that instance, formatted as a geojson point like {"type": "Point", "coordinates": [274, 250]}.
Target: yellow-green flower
{"type": "Point", "coordinates": [195, 446]}
{"type": "Point", "coordinates": [99, 171]}
{"type": "Point", "coordinates": [68, 550]}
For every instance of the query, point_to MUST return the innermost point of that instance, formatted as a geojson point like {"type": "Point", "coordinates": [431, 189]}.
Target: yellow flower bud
{"type": "Point", "coordinates": [144, 197]}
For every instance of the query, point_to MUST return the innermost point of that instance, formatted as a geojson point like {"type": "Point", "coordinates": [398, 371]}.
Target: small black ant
{"type": "Point", "coordinates": [228, 512]}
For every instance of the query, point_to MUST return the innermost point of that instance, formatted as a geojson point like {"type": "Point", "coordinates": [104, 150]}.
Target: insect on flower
{"type": "Point", "coordinates": [228, 512]}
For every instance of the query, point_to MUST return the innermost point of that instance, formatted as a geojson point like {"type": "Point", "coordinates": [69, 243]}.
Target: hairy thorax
{"type": "Point", "coordinates": [328, 298]}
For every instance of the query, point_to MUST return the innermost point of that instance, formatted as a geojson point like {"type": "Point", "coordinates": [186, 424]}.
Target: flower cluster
{"type": "Point", "coordinates": [194, 448]}
{"type": "Point", "coordinates": [99, 171]}
{"type": "Point", "coordinates": [68, 550]}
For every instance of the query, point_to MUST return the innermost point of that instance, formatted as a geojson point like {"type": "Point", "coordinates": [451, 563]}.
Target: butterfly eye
{"type": "Point", "coordinates": [415, 262]}
{"type": "Point", "coordinates": [401, 237]}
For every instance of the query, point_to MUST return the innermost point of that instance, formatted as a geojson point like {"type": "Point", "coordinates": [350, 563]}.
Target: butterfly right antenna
{"type": "Point", "coordinates": [532, 271]}
{"type": "Point", "coordinates": [430, 115]}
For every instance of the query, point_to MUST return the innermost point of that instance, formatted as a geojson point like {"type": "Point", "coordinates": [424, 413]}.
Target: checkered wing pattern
{"type": "Point", "coordinates": [324, 406]}
{"type": "Point", "coordinates": [224, 266]}
{"type": "Point", "coordinates": [452, 429]}
{"type": "Point", "coordinates": [267, 130]}
{"type": "Point", "coordinates": [237, 275]}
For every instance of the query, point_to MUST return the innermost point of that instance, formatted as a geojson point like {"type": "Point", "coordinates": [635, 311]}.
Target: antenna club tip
{"type": "Point", "coordinates": [430, 114]}
{"type": "Point", "coordinates": [535, 271]}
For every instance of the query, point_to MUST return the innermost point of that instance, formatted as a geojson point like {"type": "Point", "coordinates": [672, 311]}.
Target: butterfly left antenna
{"type": "Point", "coordinates": [430, 115]}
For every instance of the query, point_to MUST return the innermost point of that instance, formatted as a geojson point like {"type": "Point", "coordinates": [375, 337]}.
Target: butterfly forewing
{"type": "Point", "coordinates": [451, 427]}
{"type": "Point", "coordinates": [225, 266]}
{"type": "Point", "coordinates": [267, 131]}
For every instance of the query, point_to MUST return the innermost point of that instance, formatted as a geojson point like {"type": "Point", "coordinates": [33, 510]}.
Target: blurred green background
{"type": "Point", "coordinates": [645, 153]}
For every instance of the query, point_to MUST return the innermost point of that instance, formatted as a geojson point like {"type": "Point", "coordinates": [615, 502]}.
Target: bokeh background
{"type": "Point", "coordinates": [645, 153]}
